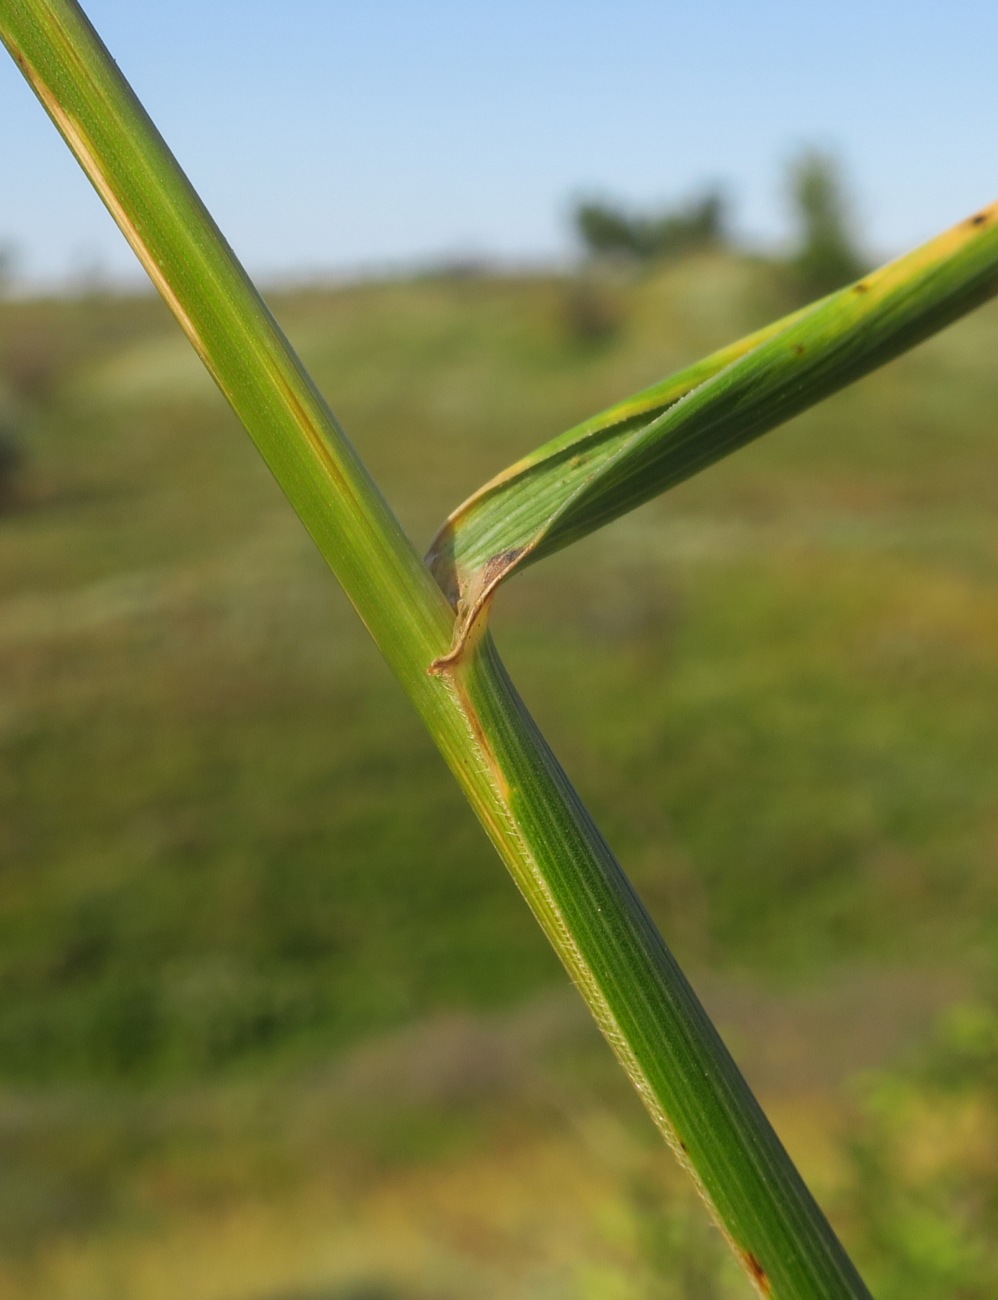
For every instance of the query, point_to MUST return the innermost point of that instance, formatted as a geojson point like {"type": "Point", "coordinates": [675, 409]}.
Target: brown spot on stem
{"type": "Point", "coordinates": [862, 287]}
{"type": "Point", "coordinates": [497, 565]}
{"type": "Point", "coordinates": [799, 349]}
{"type": "Point", "coordinates": [757, 1273]}
{"type": "Point", "coordinates": [978, 219]}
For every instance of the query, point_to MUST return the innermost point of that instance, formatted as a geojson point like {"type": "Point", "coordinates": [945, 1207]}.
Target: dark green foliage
{"type": "Point", "coordinates": [828, 255]}
{"type": "Point", "coordinates": [606, 230]}
{"type": "Point", "coordinates": [11, 464]}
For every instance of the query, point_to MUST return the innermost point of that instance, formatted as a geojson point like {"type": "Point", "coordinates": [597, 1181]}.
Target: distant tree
{"type": "Point", "coordinates": [607, 230]}
{"type": "Point", "coordinates": [697, 224]}
{"type": "Point", "coordinates": [827, 254]}
{"type": "Point", "coordinates": [8, 268]}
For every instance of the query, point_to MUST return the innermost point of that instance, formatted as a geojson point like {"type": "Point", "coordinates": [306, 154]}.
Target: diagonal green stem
{"type": "Point", "coordinates": [558, 858]}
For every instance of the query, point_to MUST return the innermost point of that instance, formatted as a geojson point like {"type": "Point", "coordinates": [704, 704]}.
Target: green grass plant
{"type": "Point", "coordinates": [562, 865]}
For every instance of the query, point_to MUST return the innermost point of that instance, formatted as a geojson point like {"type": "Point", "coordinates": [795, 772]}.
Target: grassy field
{"type": "Point", "coordinates": [274, 1024]}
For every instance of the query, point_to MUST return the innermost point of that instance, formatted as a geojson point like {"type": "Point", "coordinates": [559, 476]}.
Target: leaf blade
{"type": "Point", "coordinates": [648, 443]}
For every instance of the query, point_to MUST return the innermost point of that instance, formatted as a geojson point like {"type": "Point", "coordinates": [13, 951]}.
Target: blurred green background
{"type": "Point", "coordinates": [274, 1023]}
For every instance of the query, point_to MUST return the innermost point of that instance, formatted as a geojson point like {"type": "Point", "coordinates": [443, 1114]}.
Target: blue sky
{"type": "Point", "coordinates": [335, 137]}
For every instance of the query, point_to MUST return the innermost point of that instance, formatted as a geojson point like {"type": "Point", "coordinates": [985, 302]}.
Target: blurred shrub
{"type": "Point", "coordinates": [827, 255]}
{"type": "Point", "coordinates": [32, 366]}
{"type": "Point", "coordinates": [11, 464]}
{"type": "Point", "coordinates": [592, 311]}
{"type": "Point", "coordinates": [8, 268]}
{"type": "Point", "coordinates": [125, 1028]}
{"type": "Point", "coordinates": [606, 230]}
{"type": "Point", "coordinates": [924, 1189]}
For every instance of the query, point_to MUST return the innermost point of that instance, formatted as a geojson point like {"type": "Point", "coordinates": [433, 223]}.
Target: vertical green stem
{"type": "Point", "coordinates": [558, 858]}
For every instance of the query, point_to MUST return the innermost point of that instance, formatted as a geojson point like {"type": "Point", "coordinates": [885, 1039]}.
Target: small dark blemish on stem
{"type": "Point", "coordinates": [498, 564]}
{"type": "Point", "coordinates": [862, 287]}
{"type": "Point", "coordinates": [759, 1275]}
{"type": "Point", "coordinates": [979, 219]}
{"type": "Point", "coordinates": [799, 349]}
